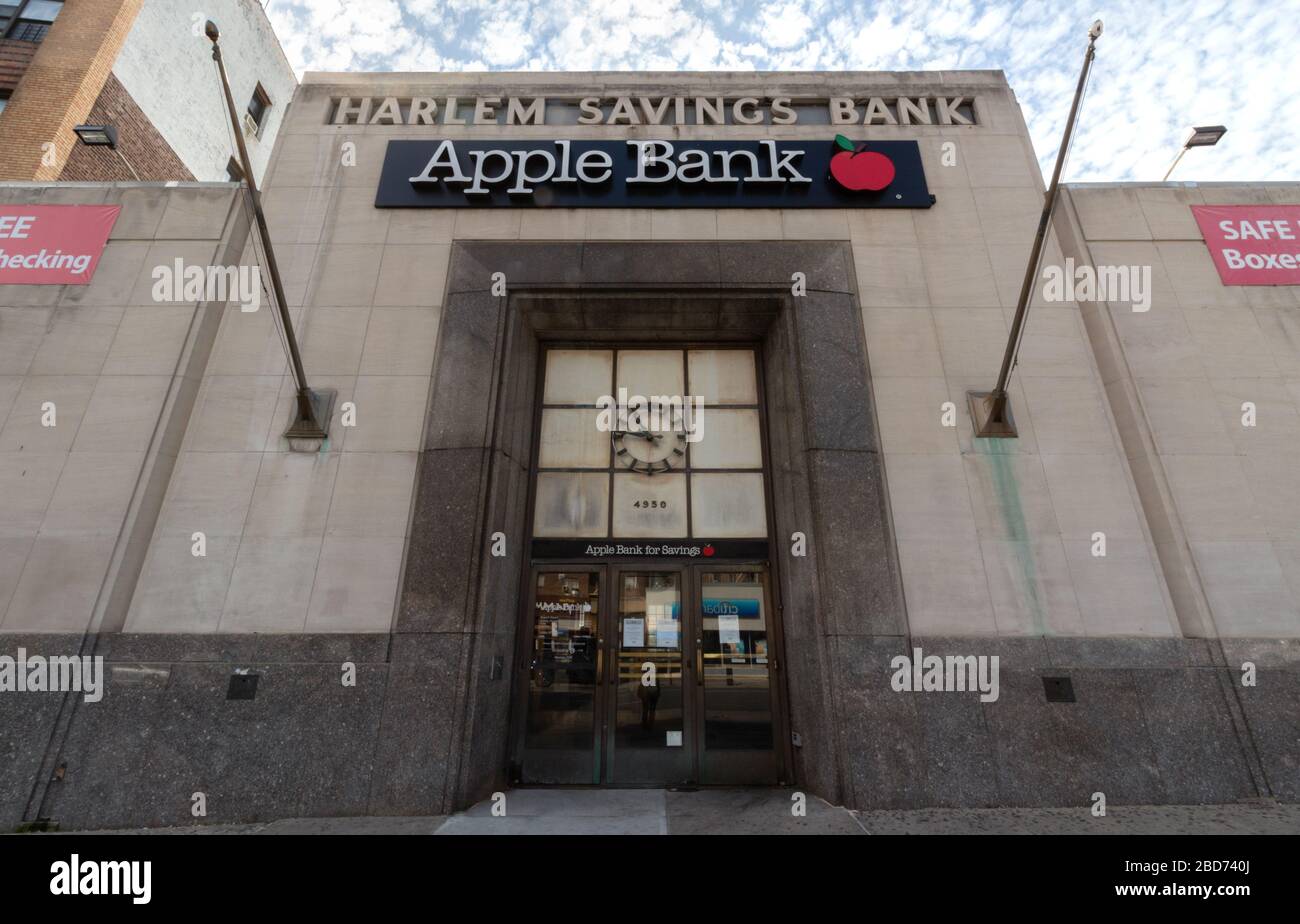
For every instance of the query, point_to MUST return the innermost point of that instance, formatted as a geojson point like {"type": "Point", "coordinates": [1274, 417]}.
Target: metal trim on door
{"type": "Point", "coordinates": [738, 765]}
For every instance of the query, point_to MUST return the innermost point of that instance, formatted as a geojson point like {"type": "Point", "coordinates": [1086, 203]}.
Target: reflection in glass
{"type": "Point", "coordinates": [571, 504]}
{"type": "Point", "coordinates": [737, 698]}
{"type": "Point", "coordinates": [562, 670]}
{"type": "Point", "coordinates": [649, 633]}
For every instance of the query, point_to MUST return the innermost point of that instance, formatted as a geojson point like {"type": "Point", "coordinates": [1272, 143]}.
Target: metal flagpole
{"type": "Point", "coordinates": [990, 410]}
{"type": "Point", "coordinates": [314, 408]}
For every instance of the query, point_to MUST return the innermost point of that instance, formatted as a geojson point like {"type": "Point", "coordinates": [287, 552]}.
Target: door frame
{"type": "Point", "coordinates": [782, 743]}
{"type": "Point", "coordinates": [613, 643]}
{"type": "Point", "coordinates": [521, 686]}
{"type": "Point", "coordinates": [775, 666]}
{"type": "Point", "coordinates": [605, 695]}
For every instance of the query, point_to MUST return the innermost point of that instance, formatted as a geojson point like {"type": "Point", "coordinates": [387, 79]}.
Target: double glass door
{"type": "Point", "coordinates": [650, 676]}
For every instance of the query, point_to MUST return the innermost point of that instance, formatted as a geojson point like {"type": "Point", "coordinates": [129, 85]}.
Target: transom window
{"type": "Point", "coordinates": [690, 465]}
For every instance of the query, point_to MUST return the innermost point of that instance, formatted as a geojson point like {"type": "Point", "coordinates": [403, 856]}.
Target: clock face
{"type": "Point", "coordinates": [652, 451]}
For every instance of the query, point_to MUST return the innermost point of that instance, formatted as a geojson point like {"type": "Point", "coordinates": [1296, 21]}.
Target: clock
{"type": "Point", "coordinates": [650, 452]}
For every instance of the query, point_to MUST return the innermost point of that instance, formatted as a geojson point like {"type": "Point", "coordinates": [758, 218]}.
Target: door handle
{"type": "Point", "coordinates": [699, 662]}
{"type": "Point", "coordinates": [600, 660]}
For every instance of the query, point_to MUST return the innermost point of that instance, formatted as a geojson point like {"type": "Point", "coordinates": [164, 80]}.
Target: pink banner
{"type": "Point", "coordinates": [51, 245]}
{"type": "Point", "coordinates": [1253, 245]}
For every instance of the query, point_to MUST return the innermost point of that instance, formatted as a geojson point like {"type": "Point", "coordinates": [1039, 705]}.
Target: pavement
{"type": "Point", "coordinates": [769, 811]}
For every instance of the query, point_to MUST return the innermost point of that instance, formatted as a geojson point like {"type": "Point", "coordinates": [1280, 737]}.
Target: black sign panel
{"type": "Point", "coordinates": [827, 173]}
{"type": "Point", "coordinates": [677, 549]}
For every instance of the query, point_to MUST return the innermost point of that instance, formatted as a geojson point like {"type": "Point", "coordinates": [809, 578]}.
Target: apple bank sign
{"type": "Point", "coordinates": [824, 174]}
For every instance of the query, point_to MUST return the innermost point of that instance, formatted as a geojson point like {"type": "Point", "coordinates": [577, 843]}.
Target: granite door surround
{"type": "Point", "coordinates": [826, 466]}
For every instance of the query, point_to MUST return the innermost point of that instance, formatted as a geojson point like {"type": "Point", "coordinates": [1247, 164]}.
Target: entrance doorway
{"type": "Point", "coordinates": [651, 675]}
{"type": "Point", "coordinates": [648, 638]}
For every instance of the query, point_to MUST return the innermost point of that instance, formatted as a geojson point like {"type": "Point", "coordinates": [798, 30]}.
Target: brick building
{"type": "Point", "coordinates": [144, 68]}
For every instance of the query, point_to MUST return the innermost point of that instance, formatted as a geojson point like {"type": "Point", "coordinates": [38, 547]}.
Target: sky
{"type": "Point", "coordinates": [1162, 65]}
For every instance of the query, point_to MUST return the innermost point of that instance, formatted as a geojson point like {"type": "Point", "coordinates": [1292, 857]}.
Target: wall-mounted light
{"type": "Point", "coordinates": [97, 135]}
{"type": "Point", "coordinates": [103, 136]}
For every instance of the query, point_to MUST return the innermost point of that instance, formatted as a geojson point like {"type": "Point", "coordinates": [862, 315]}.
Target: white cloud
{"type": "Point", "coordinates": [785, 26]}
{"type": "Point", "coordinates": [505, 41]}
{"type": "Point", "coordinates": [1162, 65]}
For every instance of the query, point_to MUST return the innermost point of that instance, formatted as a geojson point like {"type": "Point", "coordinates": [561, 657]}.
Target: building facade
{"type": "Point", "coordinates": [143, 67]}
{"type": "Point", "coordinates": [486, 576]}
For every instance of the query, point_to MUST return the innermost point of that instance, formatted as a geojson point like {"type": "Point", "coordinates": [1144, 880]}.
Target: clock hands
{"type": "Point", "coordinates": [640, 434]}
{"type": "Point", "coordinates": [659, 456]}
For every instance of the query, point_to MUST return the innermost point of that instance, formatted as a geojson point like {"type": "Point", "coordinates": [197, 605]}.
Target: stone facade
{"type": "Point", "coordinates": [373, 550]}
{"type": "Point", "coordinates": [1220, 498]}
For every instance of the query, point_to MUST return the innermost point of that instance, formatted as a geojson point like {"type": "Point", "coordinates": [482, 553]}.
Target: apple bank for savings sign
{"type": "Point", "coordinates": [830, 173]}
{"type": "Point", "coordinates": [53, 244]}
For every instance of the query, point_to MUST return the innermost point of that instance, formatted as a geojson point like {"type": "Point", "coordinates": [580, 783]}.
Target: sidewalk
{"type": "Point", "coordinates": [768, 811]}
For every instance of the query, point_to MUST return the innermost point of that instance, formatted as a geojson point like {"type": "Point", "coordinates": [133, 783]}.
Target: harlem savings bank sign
{"type": "Point", "coordinates": [829, 173]}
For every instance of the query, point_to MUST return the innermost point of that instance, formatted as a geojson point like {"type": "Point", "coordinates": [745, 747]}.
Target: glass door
{"type": "Point", "coordinates": [652, 733]}
{"type": "Point", "coordinates": [735, 656]}
{"type": "Point", "coordinates": [562, 715]}
{"type": "Point", "coordinates": [650, 675]}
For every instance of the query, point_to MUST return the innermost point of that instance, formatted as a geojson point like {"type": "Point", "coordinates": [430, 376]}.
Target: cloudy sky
{"type": "Point", "coordinates": [1162, 65]}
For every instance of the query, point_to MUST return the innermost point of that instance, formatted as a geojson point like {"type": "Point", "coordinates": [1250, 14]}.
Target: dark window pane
{"type": "Point", "coordinates": [25, 31]}
{"type": "Point", "coordinates": [258, 105]}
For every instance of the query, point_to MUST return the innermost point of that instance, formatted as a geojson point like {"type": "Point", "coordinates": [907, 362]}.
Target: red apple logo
{"type": "Point", "coordinates": [854, 167]}
{"type": "Point", "coordinates": [707, 551]}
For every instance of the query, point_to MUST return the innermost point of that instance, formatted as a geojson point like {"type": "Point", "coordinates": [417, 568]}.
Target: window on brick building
{"type": "Point", "coordinates": [4, 99]}
{"type": "Point", "coordinates": [29, 20]}
{"type": "Point", "coordinates": [258, 106]}
{"type": "Point", "coordinates": [7, 11]}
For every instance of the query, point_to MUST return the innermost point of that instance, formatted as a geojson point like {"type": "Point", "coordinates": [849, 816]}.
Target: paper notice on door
{"type": "Point", "coordinates": [674, 739]}
{"type": "Point", "coordinates": [633, 632]}
{"type": "Point", "coordinates": [729, 629]}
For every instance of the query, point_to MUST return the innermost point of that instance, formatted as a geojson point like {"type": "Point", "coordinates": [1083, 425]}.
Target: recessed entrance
{"type": "Point", "coordinates": [648, 616]}
{"type": "Point", "coordinates": [464, 628]}
{"type": "Point", "coordinates": [642, 675]}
